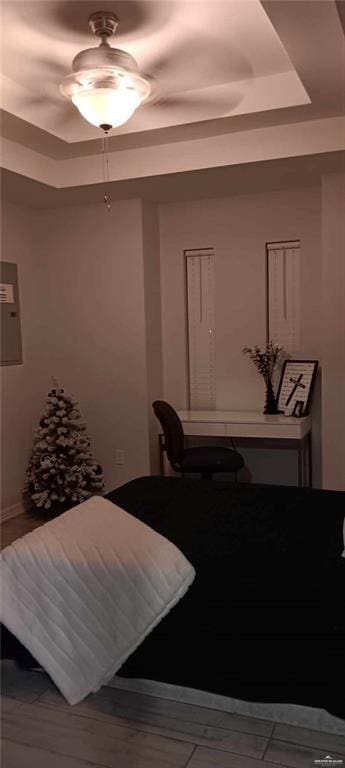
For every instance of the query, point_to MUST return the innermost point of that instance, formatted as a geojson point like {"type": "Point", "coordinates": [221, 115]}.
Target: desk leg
{"type": "Point", "coordinates": [300, 464]}
{"type": "Point", "coordinates": [310, 461]}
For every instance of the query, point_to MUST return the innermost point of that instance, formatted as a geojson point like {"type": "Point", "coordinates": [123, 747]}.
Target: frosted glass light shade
{"type": "Point", "coordinates": [106, 106]}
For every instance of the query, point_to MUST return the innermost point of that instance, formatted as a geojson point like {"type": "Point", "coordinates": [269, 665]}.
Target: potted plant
{"type": "Point", "coordinates": [265, 362]}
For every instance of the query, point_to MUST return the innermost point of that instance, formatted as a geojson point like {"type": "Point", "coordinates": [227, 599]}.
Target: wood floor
{"type": "Point", "coordinates": [122, 729]}
{"type": "Point", "coordinates": [18, 526]}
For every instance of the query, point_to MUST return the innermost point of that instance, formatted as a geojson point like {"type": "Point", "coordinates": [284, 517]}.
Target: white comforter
{"type": "Point", "coordinates": [82, 591]}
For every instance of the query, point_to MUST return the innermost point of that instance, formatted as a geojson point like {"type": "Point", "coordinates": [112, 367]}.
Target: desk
{"type": "Point", "coordinates": [286, 432]}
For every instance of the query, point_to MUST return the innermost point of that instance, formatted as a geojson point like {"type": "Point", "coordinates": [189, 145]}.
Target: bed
{"type": "Point", "coordinates": [264, 619]}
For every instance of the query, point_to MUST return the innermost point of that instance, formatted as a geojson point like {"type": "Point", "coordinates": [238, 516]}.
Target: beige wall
{"type": "Point", "coordinates": [333, 330]}
{"type": "Point", "coordinates": [238, 228]}
{"type": "Point", "coordinates": [23, 386]}
{"type": "Point", "coordinates": [90, 288]}
{"type": "Point", "coordinates": [82, 275]}
{"type": "Point", "coordinates": [95, 280]}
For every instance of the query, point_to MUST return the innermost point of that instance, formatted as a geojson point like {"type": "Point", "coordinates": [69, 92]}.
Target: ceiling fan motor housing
{"type": "Point", "coordinates": [103, 23]}
{"type": "Point", "coordinates": [93, 67]}
{"type": "Point", "coordinates": [104, 56]}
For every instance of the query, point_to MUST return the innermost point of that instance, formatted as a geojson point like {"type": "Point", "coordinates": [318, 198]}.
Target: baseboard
{"type": "Point", "coordinates": [13, 511]}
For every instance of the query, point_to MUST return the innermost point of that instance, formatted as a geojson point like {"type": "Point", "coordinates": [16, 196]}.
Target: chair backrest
{"type": "Point", "coordinates": [172, 428]}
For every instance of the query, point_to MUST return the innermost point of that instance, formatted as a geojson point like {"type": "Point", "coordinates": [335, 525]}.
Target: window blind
{"type": "Point", "coordinates": [200, 319]}
{"type": "Point", "coordinates": [283, 299]}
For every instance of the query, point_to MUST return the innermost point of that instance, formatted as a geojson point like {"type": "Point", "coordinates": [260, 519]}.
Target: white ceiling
{"type": "Point", "coordinates": [209, 60]}
{"type": "Point", "coordinates": [237, 82]}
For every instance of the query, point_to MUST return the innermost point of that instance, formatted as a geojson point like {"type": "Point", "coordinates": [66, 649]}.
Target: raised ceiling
{"type": "Point", "coordinates": [207, 59]}
{"type": "Point", "coordinates": [236, 81]}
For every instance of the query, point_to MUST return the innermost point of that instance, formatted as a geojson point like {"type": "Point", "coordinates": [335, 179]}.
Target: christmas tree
{"type": "Point", "coordinates": [62, 470]}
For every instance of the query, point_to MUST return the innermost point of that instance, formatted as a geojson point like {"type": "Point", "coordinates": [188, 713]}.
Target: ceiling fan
{"type": "Point", "coordinates": [107, 87]}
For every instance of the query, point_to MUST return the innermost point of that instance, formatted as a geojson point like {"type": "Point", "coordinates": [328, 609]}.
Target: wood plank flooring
{"type": "Point", "coordinates": [16, 527]}
{"type": "Point", "coordinates": [122, 729]}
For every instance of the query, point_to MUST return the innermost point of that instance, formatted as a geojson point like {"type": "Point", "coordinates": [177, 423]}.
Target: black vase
{"type": "Point", "coordinates": [270, 401]}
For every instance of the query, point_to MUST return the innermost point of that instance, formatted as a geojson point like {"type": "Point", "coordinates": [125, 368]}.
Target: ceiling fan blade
{"type": "Point", "coordinates": [206, 60]}
{"type": "Point", "coordinates": [53, 69]}
{"type": "Point", "coordinates": [196, 104]}
{"type": "Point", "coordinates": [50, 95]}
{"type": "Point", "coordinates": [66, 117]}
{"type": "Point", "coordinates": [47, 76]}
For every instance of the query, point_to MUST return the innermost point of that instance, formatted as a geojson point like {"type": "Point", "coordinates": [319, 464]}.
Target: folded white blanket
{"type": "Point", "coordinates": [82, 591]}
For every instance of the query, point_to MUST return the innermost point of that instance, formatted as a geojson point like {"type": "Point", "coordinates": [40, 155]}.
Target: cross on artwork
{"type": "Point", "coordinates": [297, 383]}
{"type": "Point", "coordinates": [297, 380]}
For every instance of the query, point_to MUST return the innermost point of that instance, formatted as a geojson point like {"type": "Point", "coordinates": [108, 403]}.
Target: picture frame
{"type": "Point", "coordinates": [296, 387]}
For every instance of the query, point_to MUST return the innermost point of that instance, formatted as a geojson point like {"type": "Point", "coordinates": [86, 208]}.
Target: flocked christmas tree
{"type": "Point", "coordinates": [62, 470]}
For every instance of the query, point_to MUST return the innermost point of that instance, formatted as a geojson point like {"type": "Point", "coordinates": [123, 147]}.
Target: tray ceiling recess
{"type": "Point", "coordinates": [202, 60]}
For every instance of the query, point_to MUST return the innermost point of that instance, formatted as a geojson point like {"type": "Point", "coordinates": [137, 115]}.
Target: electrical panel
{"type": "Point", "coordinates": [11, 337]}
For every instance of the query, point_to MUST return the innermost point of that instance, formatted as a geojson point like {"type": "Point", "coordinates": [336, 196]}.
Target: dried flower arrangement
{"type": "Point", "coordinates": [265, 362]}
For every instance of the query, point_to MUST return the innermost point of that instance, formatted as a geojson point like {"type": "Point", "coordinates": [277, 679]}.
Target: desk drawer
{"type": "Point", "coordinates": [275, 431]}
{"type": "Point", "coordinates": [204, 428]}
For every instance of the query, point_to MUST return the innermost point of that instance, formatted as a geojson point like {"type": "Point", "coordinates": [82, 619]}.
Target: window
{"type": "Point", "coordinates": [283, 294]}
{"type": "Point", "coordinates": [200, 321]}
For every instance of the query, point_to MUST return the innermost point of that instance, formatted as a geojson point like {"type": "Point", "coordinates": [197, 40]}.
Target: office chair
{"type": "Point", "coordinates": [206, 460]}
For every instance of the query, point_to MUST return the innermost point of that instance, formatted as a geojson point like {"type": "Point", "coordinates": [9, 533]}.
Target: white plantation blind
{"type": "Point", "coordinates": [200, 317]}
{"type": "Point", "coordinates": [283, 279]}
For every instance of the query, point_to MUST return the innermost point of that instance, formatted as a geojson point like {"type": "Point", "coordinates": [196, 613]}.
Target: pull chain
{"type": "Point", "coordinates": [105, 154]}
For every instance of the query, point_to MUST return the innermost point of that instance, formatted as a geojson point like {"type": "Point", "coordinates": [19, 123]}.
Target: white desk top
{"type": "Point", "coordinates": [237, 417]}
{"type": "Point", "coordinates": [244, 424]}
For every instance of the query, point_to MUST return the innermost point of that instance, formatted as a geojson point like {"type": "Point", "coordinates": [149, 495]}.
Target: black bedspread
{"type": "Point", "coordinates": [264, 619]}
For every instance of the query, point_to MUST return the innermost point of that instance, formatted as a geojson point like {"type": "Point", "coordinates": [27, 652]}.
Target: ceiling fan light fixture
{"type": "Point", "coordinates": [106, 106]}
{"type": "Point", "coordinates": [105, 85]}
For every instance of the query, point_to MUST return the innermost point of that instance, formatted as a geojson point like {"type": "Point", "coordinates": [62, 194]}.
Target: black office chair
{"type": "Point", "coordinates": [206, 460]}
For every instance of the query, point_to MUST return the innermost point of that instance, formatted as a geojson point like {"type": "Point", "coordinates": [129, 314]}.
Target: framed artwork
{"type": "Point", "coordinates": [296, 387]}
